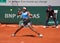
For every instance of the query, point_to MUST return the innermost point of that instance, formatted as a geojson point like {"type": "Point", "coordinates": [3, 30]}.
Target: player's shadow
{"type": "Point", "coordinates": [28, 36]}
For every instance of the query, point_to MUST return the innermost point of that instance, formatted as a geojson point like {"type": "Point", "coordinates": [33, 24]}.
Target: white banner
{"type": "Point", "coordinates": [31, 3]}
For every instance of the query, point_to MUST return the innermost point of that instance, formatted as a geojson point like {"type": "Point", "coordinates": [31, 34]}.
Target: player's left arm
{"type": "Point", "coordinates": [30, 15]}
{"type": "Point", "coordinates": [53, 13]}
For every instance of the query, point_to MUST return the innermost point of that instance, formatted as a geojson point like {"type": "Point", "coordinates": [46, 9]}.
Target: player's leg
{"type": "Point", "coordinates": [47, 20]}
{"type": "Point", "coordinates": [20, 27]}
{"type": "Point", "coordinates": [30, 26]}
{"type": "Point", "coordinates": [14, 34]}
{"type": "Point", "coordinates": [54, 18]}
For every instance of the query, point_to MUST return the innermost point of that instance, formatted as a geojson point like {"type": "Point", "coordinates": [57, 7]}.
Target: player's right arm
{"type": "Point", "coordinates": [47, 13]}
{"type": "Point", "coordinates": [19, 12]}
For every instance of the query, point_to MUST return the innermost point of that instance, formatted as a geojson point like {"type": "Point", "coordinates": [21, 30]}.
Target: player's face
{"type": "Point", "coordinates": [24, 10]}
{"type": "Point", "coordinates": [49, 8]}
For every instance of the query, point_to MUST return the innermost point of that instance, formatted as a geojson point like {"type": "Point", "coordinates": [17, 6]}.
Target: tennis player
{"type": "Point", "coordinates": [50, 14]}
{"type": "Point", "coordinates": [26, 21]}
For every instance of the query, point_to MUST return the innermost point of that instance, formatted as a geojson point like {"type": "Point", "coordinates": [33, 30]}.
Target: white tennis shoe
{"type": "Point", "coordinates": [57, 27]}
{"type": "Point", "coordinates": [13, 35]}
{"type": "Point", "coordinates": [44, 26]}
{"type": "Point", "coordinates": [40, 35]}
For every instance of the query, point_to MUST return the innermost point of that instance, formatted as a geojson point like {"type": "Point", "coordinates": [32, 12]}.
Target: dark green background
{"type": "Point", "coordinates": [33, 10]}
{"type": "Point", "coordinates": [2, 1]}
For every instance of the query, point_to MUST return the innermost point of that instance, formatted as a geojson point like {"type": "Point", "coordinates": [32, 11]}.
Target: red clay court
{"type": "Point", "coordinates": [50, 35]}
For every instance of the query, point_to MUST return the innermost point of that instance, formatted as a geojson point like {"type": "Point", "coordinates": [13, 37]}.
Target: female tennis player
{"type": "Point", "coordinates": [26, 21]}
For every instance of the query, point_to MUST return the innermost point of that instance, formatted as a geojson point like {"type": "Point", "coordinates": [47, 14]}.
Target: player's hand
{"type": "Point", "coordinates": [19, 12]}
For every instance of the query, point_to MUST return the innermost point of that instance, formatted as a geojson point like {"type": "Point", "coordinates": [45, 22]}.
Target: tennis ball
{"type": "Point", "coordinates": [10, 9]}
